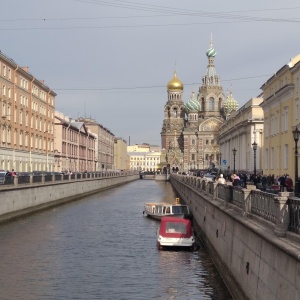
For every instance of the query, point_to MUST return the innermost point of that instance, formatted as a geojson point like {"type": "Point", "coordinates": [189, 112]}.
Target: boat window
{"type": "Point", "coordinates": [172, 227]}
{"type": "Point", "coordinates": [180, 210]}
{"type": "Point", "coordinates": [168, 210]}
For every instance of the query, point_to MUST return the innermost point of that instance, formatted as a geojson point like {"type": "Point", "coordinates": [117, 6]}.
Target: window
{"type": "Point", "coordinates": [266, 159]}
{"type": "Point", "coordinates": [272, 158]}
{"type": "Point", "coordinates": [285, 158]}
{"type": "Point", "coordinates": [211, 103]}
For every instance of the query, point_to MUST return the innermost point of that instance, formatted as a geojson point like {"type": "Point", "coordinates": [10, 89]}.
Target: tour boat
{"type": "Point", "coordinates": [162, 209]}
{"type": "Point", "coordinates": [175, 232]}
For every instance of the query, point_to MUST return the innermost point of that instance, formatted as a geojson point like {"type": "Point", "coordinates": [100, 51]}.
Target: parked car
{"type": "Point", "coordinates": [209, 177]}
{"type": "Point", "coordinates": [5, 177]}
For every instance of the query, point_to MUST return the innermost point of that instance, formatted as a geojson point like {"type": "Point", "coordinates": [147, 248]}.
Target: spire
{"type": "Point", "coordinates": [211, 78]}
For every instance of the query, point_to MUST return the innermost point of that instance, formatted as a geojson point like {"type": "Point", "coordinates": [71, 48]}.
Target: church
{"type": "Point", "coordinates": [189, 131]}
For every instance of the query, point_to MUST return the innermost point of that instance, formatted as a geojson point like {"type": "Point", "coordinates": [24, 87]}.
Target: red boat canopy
{"type": "Point", "coordinates": [175, 227]}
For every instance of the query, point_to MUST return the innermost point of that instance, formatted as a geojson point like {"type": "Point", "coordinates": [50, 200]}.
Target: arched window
{"type": "Point", "coordinates": [211, 103]}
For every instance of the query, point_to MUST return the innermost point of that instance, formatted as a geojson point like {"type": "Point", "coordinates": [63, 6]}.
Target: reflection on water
{"type": "Point", "coordinates": [102, 247]}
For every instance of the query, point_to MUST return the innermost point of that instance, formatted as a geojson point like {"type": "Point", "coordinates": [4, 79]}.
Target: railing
{"type": "Point", "coordinates": [46, 178]}
{"type": "Point", "coordinates": [294, 210]}
{"type": "Point", "coordinates": [262, 204]}
{"type": "Point", "coordinates": [282, 210]}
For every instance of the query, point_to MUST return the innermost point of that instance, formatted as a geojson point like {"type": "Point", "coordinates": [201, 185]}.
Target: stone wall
{"type": "Point", "coordinates": [254, 262]}
{"type": "Point", "coordinates": [24, 199]}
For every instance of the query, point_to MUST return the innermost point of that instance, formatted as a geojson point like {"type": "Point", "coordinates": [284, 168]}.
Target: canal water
{"type": "Point", "coordinates": [102, 247]}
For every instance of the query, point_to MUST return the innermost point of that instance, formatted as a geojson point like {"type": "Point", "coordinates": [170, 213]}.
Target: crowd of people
{"type": "Point", "coordinates": [261, 182]}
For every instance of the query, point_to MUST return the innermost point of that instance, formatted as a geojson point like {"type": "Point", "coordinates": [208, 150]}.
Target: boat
{"type": "Point", "coordinates": [175, 232]}
{"type": "Point", "coordinates": [162, 209]}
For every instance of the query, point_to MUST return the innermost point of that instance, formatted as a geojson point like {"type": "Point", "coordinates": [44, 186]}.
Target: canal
{"type": "Point", "coordinates": [102, 247]}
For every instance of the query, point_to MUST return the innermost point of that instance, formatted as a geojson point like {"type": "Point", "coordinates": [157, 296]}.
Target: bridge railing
{"type": "Point", "coordinates": [281, 210]}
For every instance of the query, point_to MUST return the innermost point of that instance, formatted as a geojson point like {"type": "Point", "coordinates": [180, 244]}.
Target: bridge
{"type": "Point", "coordinates": [252, 236]}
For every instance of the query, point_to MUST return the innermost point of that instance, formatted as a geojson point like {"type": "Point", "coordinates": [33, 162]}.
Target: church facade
{"type": "Point", "coordinates": [189, 131]}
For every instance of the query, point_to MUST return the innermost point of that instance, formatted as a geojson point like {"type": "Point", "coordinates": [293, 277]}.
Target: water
{"type": "Point", "coordinates": [102, 247]}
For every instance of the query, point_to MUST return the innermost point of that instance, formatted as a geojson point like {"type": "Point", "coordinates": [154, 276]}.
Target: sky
{"type": "Point", "coordinates": [111, 60]}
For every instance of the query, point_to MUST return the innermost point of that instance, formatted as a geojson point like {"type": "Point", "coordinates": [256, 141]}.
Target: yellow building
{"type": "Point", "coordinates": [121, 159]}
{"type": "Point", "coordinates": [281, 114]}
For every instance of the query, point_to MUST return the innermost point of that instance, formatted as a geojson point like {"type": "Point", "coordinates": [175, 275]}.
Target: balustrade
{"type": "Point", "coordinates": [282, 209]}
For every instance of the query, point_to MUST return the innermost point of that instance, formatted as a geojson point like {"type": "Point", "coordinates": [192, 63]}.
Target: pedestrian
{"type": "Point", "coordinates": [235, 180]}
{"type": "Point", "coordinates": [221, 179]}
{"type": "Point", "coordinates": [13, 173]}
{"type": "Point", "coordinates": [289, 183]}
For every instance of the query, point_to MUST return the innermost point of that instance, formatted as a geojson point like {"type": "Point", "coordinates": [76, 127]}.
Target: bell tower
{"type": "Point", "coordinates": [173, 125]}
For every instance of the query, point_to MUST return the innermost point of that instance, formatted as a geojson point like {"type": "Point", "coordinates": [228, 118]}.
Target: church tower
{"type": "Point", "coordinates": [173, 124]}
{"type": "Point", "coordinates": [204, 120]}
{"type": "Point", "coordinates": [211, 96]}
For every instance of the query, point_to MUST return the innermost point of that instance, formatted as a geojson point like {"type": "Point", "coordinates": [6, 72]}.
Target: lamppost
{"type": "Point", "coordinates": [220, 156]}
{"type": "Point", "coordinates": [254, 145]}
{"type": "Point", "coordinates": [234, 154]}
{"type": "Point", "coordinates": [296, 133]}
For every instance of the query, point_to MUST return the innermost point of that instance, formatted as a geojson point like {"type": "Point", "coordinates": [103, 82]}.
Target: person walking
{"type": "Point", "coordinates": [221, 179]}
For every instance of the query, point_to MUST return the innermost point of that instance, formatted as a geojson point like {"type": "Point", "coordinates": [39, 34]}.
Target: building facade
{"type": "Point", "coordinates": [189, 132]}
{"type": "Point", "coordinates": [240, 130]}
{"type": "Point", "coordinates": [144, 161]}
{"type": "Point", "coordinates": [27, 120]}
{"type": "Point", "coordinates": [121, 158]}
{"type": "Point", "coordinates": [281, 113]}
{"type": "Point", "coordinates": [105, 145]}
{"type": "Point", "coordinates": [74, 146]}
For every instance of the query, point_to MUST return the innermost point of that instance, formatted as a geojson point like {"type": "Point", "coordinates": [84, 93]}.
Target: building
{"type": "Point", "coordinates": [27, 119]}
{"type": "Point", "coordinates": [74, 146]}
{"type": "Point", "coordinates": [106, 141]}
{"type": "Point", "coordinates": [189, 131]}
{"type": "Point", "coordinates": [144, 157]}
{"type": "Point", "coordinates": [240, 130]}
{"type": "Point", "coordinates": [144, 161]}
{"type": "Point", "coordinates": [281, 108]}
{"type": "Point", "coordinates": [121, 158]}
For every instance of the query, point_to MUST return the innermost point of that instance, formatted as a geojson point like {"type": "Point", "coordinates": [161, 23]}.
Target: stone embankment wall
{"type": "Point", "coordinates": [254, 262]}
{"type": "Point", "coordinates": [24, 199]}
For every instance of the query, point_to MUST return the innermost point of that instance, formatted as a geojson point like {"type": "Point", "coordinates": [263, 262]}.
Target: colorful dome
{"type": "Point", "coordinates": [211, 52]}
{"type": "Point", "coordinates": [175, 83]}
{"type": "Point", "coordinates": [230, 104]}
{"type": "Point", "coordinates": [193, 103]}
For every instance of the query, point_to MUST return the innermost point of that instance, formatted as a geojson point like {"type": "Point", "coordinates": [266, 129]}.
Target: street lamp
{"type": "Point", "coordinates": [254, 145]}
{"type": "Point", "coordinates": [296, 133]}
{"type": "Point", "coordinates": [234, 154]}
{"type": "Point", "coordinates": [220, 155]}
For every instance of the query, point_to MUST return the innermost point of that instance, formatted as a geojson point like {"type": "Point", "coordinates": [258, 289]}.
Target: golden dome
{"type": "Point", "coordinates": [175, 83]}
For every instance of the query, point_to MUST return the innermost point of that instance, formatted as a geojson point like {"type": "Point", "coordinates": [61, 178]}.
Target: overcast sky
{"type": "Point", "coordinates": [111, 60]}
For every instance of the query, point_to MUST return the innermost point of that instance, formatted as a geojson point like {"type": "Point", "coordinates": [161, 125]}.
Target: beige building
{"type": "Point", "coordinates": [27, 119]}
{"type": "Point", "coordinates": [144, 157]}
{"type": "Point", "coordinates": [121, 159]}
{"type": "Point", "coordinates": [281, 108]}
{"type": "Point", "coordinates": [74, 146]}
{"type": "Point", "coordinates": [105, 144]}
{"type": "Point", "coordinates": [144, 161]}
{"type": "Point", "coordinates": [241, 129]}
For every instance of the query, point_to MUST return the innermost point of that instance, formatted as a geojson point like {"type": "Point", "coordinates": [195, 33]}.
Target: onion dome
{"type": "Point", "coordinates": [230, 104]}
{"type": "Point", "coordinates": [193, 103]}
{"type": "Point", "coordinates": [175, 83]}
{"type": "Point", "coordinates": [211, 52]}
